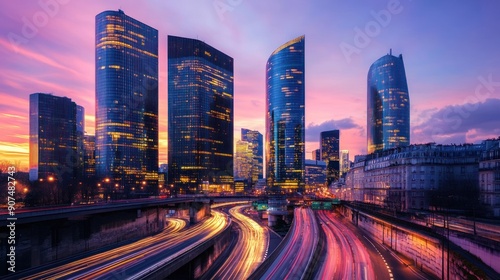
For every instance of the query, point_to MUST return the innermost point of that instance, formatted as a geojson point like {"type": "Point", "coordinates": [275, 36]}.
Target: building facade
{"type": "Point", "coordinates": [489, 179]}
{"type": "Point", "coordinates": [316, 154]}
{"type": "Point", "coordinates": [256, 140]}
{"type": "Point", "coordinates": [243, 161]}
{"type": "Point", "coordinates": [126, 61]}
{"type": "Point", "coordinates": [53, 155]}
{"type": "Point", "coordinates": [330, 154]}
{"type": "Point", "coordinates": [285, 119]}
{"type": "Point", "coordinates": [345, 163]}
{"type": "Point", "coordinates": [315, 174]}
{"type": "Point", "coordinates": [403, 178]}
{"type": "Point", "coordinates": [388, 110]}
{"type": "Point", "coordinates": [200, 117]}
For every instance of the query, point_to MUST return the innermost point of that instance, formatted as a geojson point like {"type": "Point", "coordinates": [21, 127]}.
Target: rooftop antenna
{"type": "Point", "coordinates": [390, 51]}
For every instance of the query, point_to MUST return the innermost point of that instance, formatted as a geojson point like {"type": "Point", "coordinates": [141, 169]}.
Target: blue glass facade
{"type": "Point", "coordinates": [285, 99]}
{"type": "Point", "coordinates": [388, 112]}
{"type": "Point", "coordinates": [126, 60]}
{"type": "Point", "coordinates": [53, 141]}
{"type": "Point", "coordinates": [200, 117]}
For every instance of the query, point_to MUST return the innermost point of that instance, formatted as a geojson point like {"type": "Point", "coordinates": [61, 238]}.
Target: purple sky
{"type": "Point", "coordinates": [450, 50]}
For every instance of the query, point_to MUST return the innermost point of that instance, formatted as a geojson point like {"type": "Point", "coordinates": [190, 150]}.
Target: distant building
{"type": "Point", "coordinates": [243, 161]}
{"type": "Point", "coordinates": [89, 158]}
{"type": "Point", "coordinates": [200, 117]}
{"type": "Point", "coordinates": [256, 141]}
{"type": "Point", "coordinates": [402, 178]}
{"type": "Point", "coordinates": [315, 176]}
{"type": "Point", "coordinates": [80, 149]}
{"type": "Point", "coordinates": [285, 119]}
{"type": "Point", "coordinates": [330, 154]}
{"type": "Point", "coordinates": [388, 113]}
{"type": "Point", "coordinates": [53, 142]}
{"type": "Point", "coordinates": [345, 164]}
{"type": "Point", "coordinates": [316, 154]}
{"type": "Point", "coordinates": [126, 75]}
{"type": "Point", "coordinates": [489, 178]}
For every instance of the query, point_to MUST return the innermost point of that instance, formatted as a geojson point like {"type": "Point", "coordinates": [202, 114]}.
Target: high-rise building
{"type": "Point", "coordinates": [345, 164]}
{"type": "Point", "coordinates": [256, 140]}
{"type": "Point", "coordinates": [388, 113]}
{"type": "Point", "coordinates": [315, 174]}
{"type": "Point", "coordinates": [200, 117]}
{"type": "Point", "coordinates": [80, 149]}
{"type": "Point", "coordinates": [316, 154]}
{"type": "Point", "coordinates": [53, 142]}
{"type": "Point", "coordinates": [126, 61]}
{"type": "Point", "coordinates": [89, 158]}
{"type": "Point", "coordinates": [243, 161]}
{"type": "Point", "coordinates": [285, 99]}
{"type": "Point", "coordinates": [330, 154]}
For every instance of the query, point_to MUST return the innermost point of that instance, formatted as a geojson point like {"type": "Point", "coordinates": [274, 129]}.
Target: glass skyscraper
{"type": "Point", "coordinates": [388, 112]}
{"type": "Point", "coordinates": [126, 60]}
{"type": "Point", "coordinates": [53, 142]}
{"type": "Point", "coordinates": [200, 117]}
{"type": "Point", "coordinates": [256, 140]}
{"type": "Point", "coordinates": [330, 154]}
{"type": "Point", "coordinates": [285, 99]}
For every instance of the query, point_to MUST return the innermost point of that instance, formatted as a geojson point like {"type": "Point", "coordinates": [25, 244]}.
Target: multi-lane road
{"type": "Point", "coordinates": [297, 254]}
{"type": "Point", "coordinates": [135, 259]}
{"type": "Point", "coordinates": [250, 248]}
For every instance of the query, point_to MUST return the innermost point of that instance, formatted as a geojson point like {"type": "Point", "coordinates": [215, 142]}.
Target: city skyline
{"type": "Point", "coordinates": [451, 63]}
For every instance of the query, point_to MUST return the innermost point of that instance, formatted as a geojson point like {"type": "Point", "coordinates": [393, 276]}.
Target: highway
{"type": "Point", "coordinates": [296, 256]}
{"type": "Point", "coordinates": [346, 256]}
{"type": "Point", "coordinates": [249, 250]}
{"type": "Point", "coordinates": [134, 260]}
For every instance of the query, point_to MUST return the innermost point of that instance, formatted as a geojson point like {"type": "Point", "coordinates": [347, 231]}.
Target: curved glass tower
{"type": "Point", "coordinates": [126, 60]}
{"type": "Point", "coordinates": [388, 112]}
{"type": "Point", "coordinates": [200, 117]}
{"type": "Point", "coordinates": [285, 98]}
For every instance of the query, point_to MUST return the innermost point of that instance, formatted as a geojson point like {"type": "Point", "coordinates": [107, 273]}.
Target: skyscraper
{"type": "Point", "coordinates": [388, 112]}
{"type": "Point", "coordinates": [243, 161]}
{"type": "Point", "coordinates": [316, 154]}
{"type": "Point", "coordinates": [80, 149]}
{"type": "Point", "coordinates": [200, 117]}
{"type": "Point", "coordinates": [53, 142]}
{"type": "Point", "coordinates": [345, 164]}
{"type": "Point", "coordinates": [256, 140]}
{"type": "Point", "coordinates": [285, 99]}
{"type": "Point", "coordinates": [330, 154]}
{"type": "Point", "coordinates": [126, 61]}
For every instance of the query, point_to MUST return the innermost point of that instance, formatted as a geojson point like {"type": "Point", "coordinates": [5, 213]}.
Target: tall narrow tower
{"type": "Point", "coordinates": [285, 100]}
{"type": "Point", "coordinates": [126, 61]}
{"type": "Point", "coordinates": [388, 112]}
{"type": "Point", "coordinates": [200, 117]}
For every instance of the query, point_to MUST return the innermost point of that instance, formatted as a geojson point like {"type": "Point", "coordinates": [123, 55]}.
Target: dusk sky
{"type": "Point", "coordinates": [451, 51]}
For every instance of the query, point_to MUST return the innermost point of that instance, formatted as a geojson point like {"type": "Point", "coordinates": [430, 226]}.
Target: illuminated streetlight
{"type": "Point", "coordinates": [51, 179]}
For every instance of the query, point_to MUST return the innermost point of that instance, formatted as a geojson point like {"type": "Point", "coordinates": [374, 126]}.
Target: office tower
{"type": "Point", "coordinates": [388, 113]}
{"type": "Point", "coordinates": [255, 138]}
{"type": "Point", "coordinates": [126, 60]}
{"type": "Point", "coordinates": [53, 143]}
{"type": "Point", "coordinates": [330, 154]}
{"type": "Point", "coordinates": [243, 161]}
{"type": "Point", "coordinates": [200, 117]}
{"type": "Point", "coordinates": [80, 149]}
{"type": "Point", "coordinates": [315, 174]}
{"type": "Point", "coordinates": [345, 164]}
{"type": "Point", "coordinates": [316, 154]}
{"type": "Point", "coordinates": [89, 158]}
{"type": "Point", "coordinates": [285, 95]}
